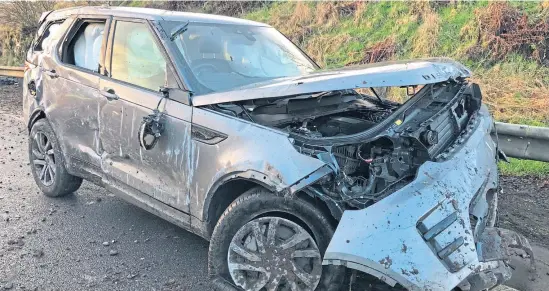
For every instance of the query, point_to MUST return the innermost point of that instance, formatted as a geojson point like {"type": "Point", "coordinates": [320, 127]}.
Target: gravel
{"type": "Point", "coordinates": [524, 207]}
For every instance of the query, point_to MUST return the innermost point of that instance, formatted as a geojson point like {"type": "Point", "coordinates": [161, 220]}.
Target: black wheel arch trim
{"type": "Point", "coordinates": [37, 114]}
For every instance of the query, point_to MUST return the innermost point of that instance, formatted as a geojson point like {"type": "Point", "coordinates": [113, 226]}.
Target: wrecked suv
{"type": "Point", "coordinates": [299, 177]}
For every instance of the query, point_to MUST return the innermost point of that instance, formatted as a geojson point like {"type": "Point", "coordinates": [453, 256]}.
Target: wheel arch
{"type": "Point", "coordinates": [35, 116]}
{"type": "Point", "coordinates": [228, 189]}
{"type": "Point", "coordinates": [222, 194]}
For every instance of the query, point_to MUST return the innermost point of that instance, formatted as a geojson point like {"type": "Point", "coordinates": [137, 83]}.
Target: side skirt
{"type": "Point", "coordinates": [94, 175]}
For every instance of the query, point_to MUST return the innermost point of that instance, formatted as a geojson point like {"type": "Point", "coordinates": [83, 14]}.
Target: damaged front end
{"type": "Point", "coordinates": [413, 185]}
{"type": "Point", "coordinates": [437, 232]}
{"type": "Point", "coordinates": [417, 203]}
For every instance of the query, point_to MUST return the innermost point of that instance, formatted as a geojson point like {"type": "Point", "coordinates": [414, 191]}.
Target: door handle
{"type": "Point", "coordinates": [109, 94]}
{"type": "Point", "coordinates": [31, 86]}
{"type": "Point", "coordinates": [51, 73]}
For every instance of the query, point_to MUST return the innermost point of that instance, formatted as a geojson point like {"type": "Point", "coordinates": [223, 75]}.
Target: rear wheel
{"type": "Point", "coordinates": [264, 242]}
{"type": "Point", "coordinates": [47, 162]}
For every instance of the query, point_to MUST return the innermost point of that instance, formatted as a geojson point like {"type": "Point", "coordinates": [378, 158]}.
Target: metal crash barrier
{"type": "Point", "coordinates": [523, 141]}
{"type": "Point", "coordinates": [16, 72]}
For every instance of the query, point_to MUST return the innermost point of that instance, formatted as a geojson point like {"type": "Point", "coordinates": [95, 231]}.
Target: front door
{"type": "Point", "coordinates": [138, 67]}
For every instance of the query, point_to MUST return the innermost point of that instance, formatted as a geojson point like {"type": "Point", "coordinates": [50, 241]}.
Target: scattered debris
{"type": "Point", "coordinates": [16, 242]}
{"type": "Point", "coordinates": [38, 253]}
{"type": "Point", "coordinates": [8, 286]}
{"type": "Point", "coordinates": [386, 262]}
{"type": "Point", "coordinates": [170, 282]}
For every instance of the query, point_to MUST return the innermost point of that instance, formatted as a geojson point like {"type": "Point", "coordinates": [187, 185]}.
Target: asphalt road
{"type": "Point", "coordinates": [94, 241]}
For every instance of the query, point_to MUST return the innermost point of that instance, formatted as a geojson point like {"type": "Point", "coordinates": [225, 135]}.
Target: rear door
{"type": "Point", "coordinates": [70, 76]}
{"type": "Point", "coordinates": [137, 67]}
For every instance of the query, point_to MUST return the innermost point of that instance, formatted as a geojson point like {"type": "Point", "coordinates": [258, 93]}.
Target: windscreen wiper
{"type": "Point", "coordinates": [179, 30]}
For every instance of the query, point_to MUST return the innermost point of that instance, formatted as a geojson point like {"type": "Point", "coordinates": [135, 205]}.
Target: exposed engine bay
{"type": "Point", "coordinates": [374, 145]}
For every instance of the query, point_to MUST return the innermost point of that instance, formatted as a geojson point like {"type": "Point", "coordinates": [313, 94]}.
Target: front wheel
{"type": "Point", "coordinates": [264, 242]}
{"type": "Point", "coordinates": [47, 162]}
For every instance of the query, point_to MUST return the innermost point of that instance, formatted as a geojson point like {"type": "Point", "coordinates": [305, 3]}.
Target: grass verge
{"type": "Point", "coordinates": [518, 167]}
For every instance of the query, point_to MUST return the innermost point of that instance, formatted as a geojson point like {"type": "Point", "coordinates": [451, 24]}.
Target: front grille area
{"type": "Point", "coordinates": [448, 124]}
{"type": "Point", "coordinates": [446, 130]}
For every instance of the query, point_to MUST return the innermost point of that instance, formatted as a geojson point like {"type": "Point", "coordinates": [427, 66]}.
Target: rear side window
{"type": "Point", "coordinates": [84, 46]}
{"type": "Point", "coordinates": [136, 58]}
{"type": "Point", "coordinates": [46, 38]}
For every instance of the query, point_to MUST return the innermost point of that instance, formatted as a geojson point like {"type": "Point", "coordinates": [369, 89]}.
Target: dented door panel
{"type": "Point", "coordinates": [74, 112]}
{"type": "Point", "coordinates": [71, 98]}
{"type": "Point", "coordinates": [421, 236]}
{"type": "Point", "coordinates": [68, 95]}
{"type": "Point", "coordinates": [161, 172]}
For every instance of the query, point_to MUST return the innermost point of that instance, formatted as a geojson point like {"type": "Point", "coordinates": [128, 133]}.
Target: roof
{"type": "Point", "coordinates": [153, 14]}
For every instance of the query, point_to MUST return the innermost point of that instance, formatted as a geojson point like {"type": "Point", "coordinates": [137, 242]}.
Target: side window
{"type": "Point", "coordinates": [136, 58]}
{"type": "Point", "coordinates": [47, 36]}
{"type": "Point", "coordinates": [84, 47]}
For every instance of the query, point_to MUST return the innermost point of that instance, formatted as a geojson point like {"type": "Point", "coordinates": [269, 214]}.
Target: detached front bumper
{"type": "Point", "coordinates": [437, 232]}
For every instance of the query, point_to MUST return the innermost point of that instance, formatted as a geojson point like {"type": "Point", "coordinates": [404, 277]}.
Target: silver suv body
{"type": "Point", "coordinates": [296, 175]}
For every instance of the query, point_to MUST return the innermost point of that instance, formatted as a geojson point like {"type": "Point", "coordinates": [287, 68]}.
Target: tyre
{"type": "Point", "coordinates": [266, 242]}
{"type": "Point", "coordinates": [47, 162]}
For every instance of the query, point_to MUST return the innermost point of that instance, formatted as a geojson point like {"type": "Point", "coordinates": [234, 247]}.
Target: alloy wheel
{"type": "Point", "coordinates": [43, 158]}
{"type": "Point", "coordinates": [274, 254]}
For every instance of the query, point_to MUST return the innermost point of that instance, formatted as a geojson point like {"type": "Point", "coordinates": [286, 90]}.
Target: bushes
{"type": "Point", "coordinates": [504, 29]}
{"type": "Point", "coordinates": [18, 23]}
{"type": "Point", "coordinates": [229, 8]}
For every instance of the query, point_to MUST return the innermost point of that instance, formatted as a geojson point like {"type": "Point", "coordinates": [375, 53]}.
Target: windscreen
{"type": "Point", "coordinates": [223, 57]}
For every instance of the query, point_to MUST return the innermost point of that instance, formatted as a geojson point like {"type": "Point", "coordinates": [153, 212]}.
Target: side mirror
{"type": "Point", "coordinates": [176, 94]}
